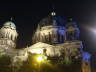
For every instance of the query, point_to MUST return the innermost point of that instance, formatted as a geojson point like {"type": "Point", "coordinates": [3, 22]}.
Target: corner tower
{"type": "Point", "coordinates": [8, 34]}
{"type": "Point", "coordinates": [72, 30]}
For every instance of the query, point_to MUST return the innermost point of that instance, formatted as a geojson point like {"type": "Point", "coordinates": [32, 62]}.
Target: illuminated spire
{"type": "Point", "coordinates": [53, 13]}
{"type": "Point", "coordinates": [11, 19]}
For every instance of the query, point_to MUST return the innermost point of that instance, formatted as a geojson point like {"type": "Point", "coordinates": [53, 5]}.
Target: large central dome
{"type": "Point", "coordinates": [52, 20]}
{"type": "Point", "coordinates": [50, 30]}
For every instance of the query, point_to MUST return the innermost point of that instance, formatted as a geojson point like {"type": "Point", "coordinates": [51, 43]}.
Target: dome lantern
{"type": "Point", "coordinates": [53, 13]}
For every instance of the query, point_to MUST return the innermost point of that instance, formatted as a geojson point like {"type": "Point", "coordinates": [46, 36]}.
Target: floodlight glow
{"type": "Point", "coordinates": [91, 29]}
{"type": "Point", "coordinates": [40, 58]}
{"type": "Point", "coordinates": [94, 31]}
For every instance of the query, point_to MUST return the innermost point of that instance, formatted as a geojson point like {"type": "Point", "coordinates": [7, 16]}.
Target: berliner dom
{"type": "Point", "coordinates": [55, 43]}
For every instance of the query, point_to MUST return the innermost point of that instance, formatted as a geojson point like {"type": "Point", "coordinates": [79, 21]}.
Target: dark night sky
{"type": "Point", "coordinates": [27, 14]}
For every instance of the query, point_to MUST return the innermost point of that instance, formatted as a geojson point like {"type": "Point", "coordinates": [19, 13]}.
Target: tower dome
{"type": "Point", "coordinates": [50, 30]}
{"type": "Point", "coordinates": [9, 24]}
{"type": "Point", "coordinates": [9, 31]}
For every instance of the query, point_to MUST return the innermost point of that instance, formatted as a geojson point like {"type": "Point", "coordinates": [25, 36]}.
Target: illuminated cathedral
{"type": "Point", "coordinates": [55, 37]}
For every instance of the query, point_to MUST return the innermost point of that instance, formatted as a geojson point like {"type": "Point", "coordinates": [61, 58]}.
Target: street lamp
{"type": "Point", "coordinates": [40, 58]}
